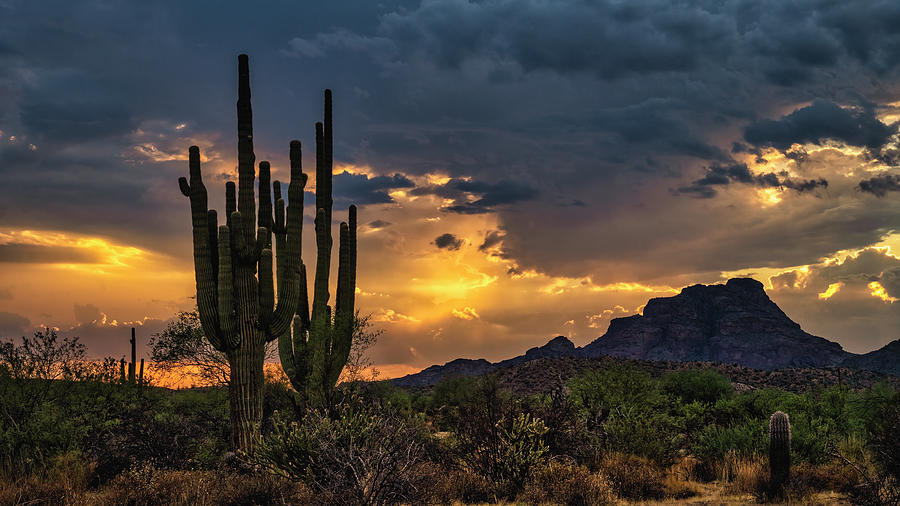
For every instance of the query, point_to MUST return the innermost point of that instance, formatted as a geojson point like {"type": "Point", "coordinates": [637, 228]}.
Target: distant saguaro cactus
{"type": "Point", "coordinates": [132, 376]}
{"type": "Point", "coordinates": [315, 353]}
{"type": "Point", "coordinates": [779, 450]}
{"type": "Point", "coordinates": [233, 264]}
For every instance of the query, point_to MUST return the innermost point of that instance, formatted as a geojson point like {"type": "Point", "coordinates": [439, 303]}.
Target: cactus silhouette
{"type": "Point", "coordinates": [131, 376]}
{"type": "Point", "coordinates": [779, 450]}
{"type": "Point", "coordinates": [233, 266]}
{"type": "Point", "coordinates": [315, 352]}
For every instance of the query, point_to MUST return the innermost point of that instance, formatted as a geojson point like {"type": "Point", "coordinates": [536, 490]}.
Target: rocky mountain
{"type": "Point", "coordinates": [731, 323]}
{"type": "Point", "coordinates": [885, 360]}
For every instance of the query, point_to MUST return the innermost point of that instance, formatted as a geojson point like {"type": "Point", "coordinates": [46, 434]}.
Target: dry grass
{"type": "Point", "coordinates": [559, 483]}
{"type": "Point", "coordinates": [149, 486]}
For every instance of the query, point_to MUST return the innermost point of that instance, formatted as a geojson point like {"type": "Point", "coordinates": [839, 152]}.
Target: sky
{"type": "Point", "coordinates": [524, 168]}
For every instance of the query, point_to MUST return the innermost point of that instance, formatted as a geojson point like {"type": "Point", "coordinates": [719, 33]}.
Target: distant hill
{"type": "Point", "coordinates": [732, 323]}
{"type": "Point", "coordinates": [885, 360]}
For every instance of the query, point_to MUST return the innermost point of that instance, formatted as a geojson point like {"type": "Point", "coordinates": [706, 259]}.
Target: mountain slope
{"type": "Point", "coordinates": [885, 360]}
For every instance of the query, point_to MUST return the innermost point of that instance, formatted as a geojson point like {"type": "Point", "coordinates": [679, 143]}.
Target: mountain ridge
{"type": "Point", "coordinates": [732, 323]}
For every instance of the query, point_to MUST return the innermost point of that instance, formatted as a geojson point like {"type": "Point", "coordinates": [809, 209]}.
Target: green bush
{"type": "Point", "coordinates": [704, 385]}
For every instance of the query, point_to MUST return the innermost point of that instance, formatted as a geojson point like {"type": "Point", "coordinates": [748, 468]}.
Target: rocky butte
{"type": "Point", "coordinates": [735, 323]}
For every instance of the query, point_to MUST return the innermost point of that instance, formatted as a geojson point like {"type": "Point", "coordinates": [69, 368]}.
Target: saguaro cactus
{"type": "Point", "coordinates": [779, 450]}
{"type": "Point", "coordinates": [315, 352]}
{"type": "Point", "coordinates": [233, 264]}
{"type": "Point", "coordinates": [233, 267]}
{"type": "Point", "coordinates": [132, 377]}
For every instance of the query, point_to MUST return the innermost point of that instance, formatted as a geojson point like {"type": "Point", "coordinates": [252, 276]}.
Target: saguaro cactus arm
{"type": "Point", "coordinates": [288, 242]}
{"type": "Point", "coordinates": [316, 350]}
{"type": "Point", "coordinates": [203, 264]}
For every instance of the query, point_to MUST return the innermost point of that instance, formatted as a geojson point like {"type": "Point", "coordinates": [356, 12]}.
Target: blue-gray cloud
{"type": "Point", "coordinates": [880, 185]}
{"type": "Point", "coordinates": [723, 175]}
{"type": "Point", "coordinates": [820, 121]}
{"type": "Point", "coordinates": [448, 241]}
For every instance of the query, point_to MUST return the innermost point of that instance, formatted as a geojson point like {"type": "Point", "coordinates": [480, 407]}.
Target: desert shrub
{"type": "Point", "coordinates": [496, 440]}
{"type": "Point", "coordinates": [31, 489]}
{"type": "Point", "coordinates": [149, 486]}
{"type": "Point", "coordinates": [714, 444]}
{"type": "Point", "coordinates": [875, 461]}
{"type": "Point", "coordinates": [166, 430]}
{"type": "Point", "coordinates": [626, 412]}
{"type": "Point", "coordinates": [442, 484]}
{"type": "Point", "coordinates": [743, 474]}
{"type": "Point", "coordinates": [633, 477]}
{"type": "Point", "coordinates": [558, 483]}
{"type": "Point", "coordinates": [567, 435]}
{"type": "Point", "coordinates": [358, 457]}
{"type": "Point", "coordinates": [704, 385]}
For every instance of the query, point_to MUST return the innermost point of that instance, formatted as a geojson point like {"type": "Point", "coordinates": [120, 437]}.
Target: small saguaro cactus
{"type": "Point", "coordinates": [315, 352]}
{"type": "Point", "coordinates": [132, 376]}
{"type": "Point", "coordinates": [779, 450]}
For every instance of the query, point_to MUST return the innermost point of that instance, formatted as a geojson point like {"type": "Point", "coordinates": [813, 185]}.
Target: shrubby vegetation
{"type": "Point", "coordinates": [72, 432]}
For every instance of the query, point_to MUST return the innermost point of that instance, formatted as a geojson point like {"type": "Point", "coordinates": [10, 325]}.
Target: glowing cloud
{"type": "Point", "coordinates": [878, 291]}
{"type": "Point", "coordinates": [832, 289]}
{"type": "Point", "coordinates": [466, 313]}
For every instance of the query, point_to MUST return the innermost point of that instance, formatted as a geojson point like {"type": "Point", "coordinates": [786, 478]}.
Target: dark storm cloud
{"type": "Point", "coordinates": [604, 103]}
{"type": "Point", "coordinates": [487, 196]}
{"type": "Point", "coordinates": [491, 238]}
{"type": "Point", "coordinates": [880, 185]}
{"type": "Point", "coordinates": [823, 120]}
{"type": "Point", "coordinates": [448, 241]}
{"type": "Point", "coordinates": [723, 175]}
{"type": "Point", "coordinates": [361, 189]}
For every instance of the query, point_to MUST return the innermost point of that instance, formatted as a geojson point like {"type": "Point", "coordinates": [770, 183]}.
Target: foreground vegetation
{"type": "Point", "coordinates": [72, 432]}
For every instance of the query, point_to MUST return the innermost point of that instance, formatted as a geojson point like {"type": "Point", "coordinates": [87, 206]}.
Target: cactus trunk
{"type": "Point", "coordinates": [245, 389]}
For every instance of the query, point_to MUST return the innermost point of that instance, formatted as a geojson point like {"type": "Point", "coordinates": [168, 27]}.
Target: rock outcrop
{"type": "Point", "coordinates": [731, 323]}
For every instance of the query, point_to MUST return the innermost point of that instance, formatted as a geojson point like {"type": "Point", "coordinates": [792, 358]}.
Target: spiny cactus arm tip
{"type": "Point", "coordinates": [246, 159]}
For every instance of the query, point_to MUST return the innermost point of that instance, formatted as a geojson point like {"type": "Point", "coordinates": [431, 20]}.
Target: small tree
{"type": "Point", "coordinates": [182, 350]}
{"type": "Point", "coordinates": [43, 356]}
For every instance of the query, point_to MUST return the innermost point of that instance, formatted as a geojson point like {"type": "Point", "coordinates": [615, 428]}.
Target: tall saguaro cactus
{"type": "Point", "coordinates": [779, 450]}
{"type": "Point", "coordinates": [233, 267]}
{"type": "Point", "coordinates": [315, 352]}
{"type": "Point", "coordinates": [233, 264]}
